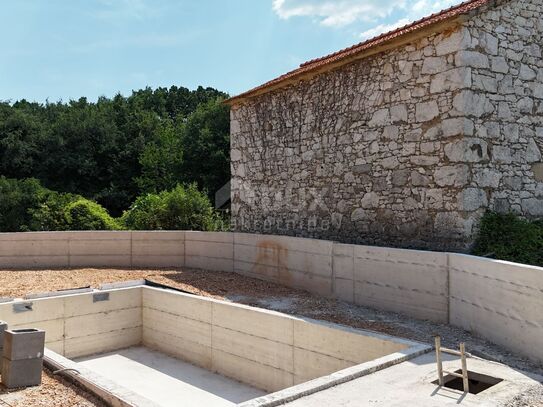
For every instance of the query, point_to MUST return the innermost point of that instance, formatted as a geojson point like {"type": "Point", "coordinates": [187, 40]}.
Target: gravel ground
{"type": "Point", "coordinates": [54, 391]}
{"type": "Point", "coordinates": [532, 398]}
{"type": "Point", "coordinates": [250, 291]}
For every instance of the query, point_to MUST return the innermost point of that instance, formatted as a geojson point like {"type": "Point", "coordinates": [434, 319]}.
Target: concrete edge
{"type": "Point", "coordinates": [104, 389]}
{"type": "Point", "coordinates": [122, 284]}
{"type": "Point", "coordinates": [61, 293]}
{"type": "Point", "coordinates": [337, 378]}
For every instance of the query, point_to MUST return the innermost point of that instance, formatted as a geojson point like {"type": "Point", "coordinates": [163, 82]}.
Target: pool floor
{"type": "Point", "coordinates": [168, 381]}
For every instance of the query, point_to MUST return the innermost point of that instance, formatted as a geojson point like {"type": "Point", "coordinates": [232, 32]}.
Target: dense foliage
{"type": "Point", "coordinates": [31, 207]}
{"type": "Point", "coordinates": [27, 206]}
{"type": "Point", "coordinates": [508, 237]}
{"type": "Point", "coordinates": [116, 149]}
{"type": "Point", "coordinates": [182, 208]}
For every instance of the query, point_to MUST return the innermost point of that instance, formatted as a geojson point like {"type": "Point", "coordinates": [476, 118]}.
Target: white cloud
{"type": "Point", "coordinates": [383, 28]}
{"type": "Point", "coordinates": [370, 13]}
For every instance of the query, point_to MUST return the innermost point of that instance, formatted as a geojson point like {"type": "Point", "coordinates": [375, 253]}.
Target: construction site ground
{"type": "Point", "coordinates": [254, 292]}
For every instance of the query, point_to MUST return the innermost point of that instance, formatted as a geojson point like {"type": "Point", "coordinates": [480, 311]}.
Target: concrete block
{"type": "Point", "coordinates": [30, 312]}
{"type": "Point", "coordinates": [33, 262]}
{"type": "Point", "coordinates": [21, 373]}
{"type": "Point", "coordinates": [180, 328]}
{"type": "Point", "coordinates": [85, 304]}
{"type": "Point", "coordinates": [40, 247]}
{"type": "Point", "coordinates": [285, 243]}
{"type": "Point", "coordinates": [57, 346]}
{"type": "Point", "coordinates": [102, 342]}
{"type": "Point", "coordinates": [102, 323]}
{"type": "Point", "coordinates": [99, 235]}
{"type": "Point", "coordinates": [264, 324]}
{"type": "Point", "coordinates": [22, 344]}
{"type": "Point", "coordinates": [217, 237]}
{"type": "Point", "coordinates": [54, 329]}
{"type": "Point", "coordinates": [310, 365]}
{"type": "Point", "coordinates": [343, 261]}
{"type": "Point", "coordinates": [497, 300]}
{"type": "Point", "coordinates": [180, 304]}
{"type": "Point", "coordinates": [344, 289]}
{"type": "Point", "coordinates": [187, 350]}
{"type": "Point", "coordinates": [100, 247]}
{"type": "Point", "coordinates": [243, 265]}
{"type": "Point", "coordinates": [158, 243]}
{"type": "Point", "coordinates": [407, 281]}
{"type": "Point", "coordinates": [255, 374]}
{"type": "Point", "coordinates": [209, 249]}
{"type": "Point", "coordinates": [260, 350]}
{"type": "Point", "coordinates": [342, 343]}
{"type": "Point", "coordinates": [101, 260]}
{"type": "Point", "coordinates": [157, 235]}
{"type": "Point", "coordinates": [209, 263]}
{"type": "Point", "coordinates": [158, 261]}
{"type": "Point", "coordinates": [3, 327]}
{"type": "Point", "coordinates": [309, 282]}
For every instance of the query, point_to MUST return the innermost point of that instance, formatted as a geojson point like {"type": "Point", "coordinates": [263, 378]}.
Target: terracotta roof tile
{"type": "Point", "coordinates": [452, 12]}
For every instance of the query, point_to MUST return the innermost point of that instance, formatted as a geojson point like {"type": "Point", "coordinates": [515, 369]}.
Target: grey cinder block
{"type": "Point", "coordinates": [3, 328]}
{"type": "Point", "coordinates": [21, 344]}
{"type": "Point", "coordinates": [21, 373]}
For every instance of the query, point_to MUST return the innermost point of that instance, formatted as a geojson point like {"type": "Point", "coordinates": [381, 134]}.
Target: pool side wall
{"type": "Point", "coordinates": [495, 299]}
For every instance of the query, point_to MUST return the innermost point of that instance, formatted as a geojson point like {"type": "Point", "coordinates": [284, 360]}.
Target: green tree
{"type": "Point", "coordinates": [161, 161]}
{"type": "Point", "coordinates": [17, 200]}
{"type": "Point", "coordinates": [206, 146]}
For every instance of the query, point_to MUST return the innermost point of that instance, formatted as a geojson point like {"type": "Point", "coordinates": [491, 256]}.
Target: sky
{"type": "Point", "coordinates": [64, 49]}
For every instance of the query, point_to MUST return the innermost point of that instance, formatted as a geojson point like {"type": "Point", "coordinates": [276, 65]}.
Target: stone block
{"type": "Point", "coordinates": [22, 344]}
{"type": "Point", "coordinates": [3, 327]}
{"type": "Point", "coordinates": [21, 373]}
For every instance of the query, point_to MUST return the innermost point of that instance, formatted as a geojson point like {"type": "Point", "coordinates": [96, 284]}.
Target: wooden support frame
{"type": "Point", "coordinates": [463, 357]}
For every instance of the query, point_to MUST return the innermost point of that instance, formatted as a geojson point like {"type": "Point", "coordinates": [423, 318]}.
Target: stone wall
{"type": "Point", "coordinates": [405, 148]}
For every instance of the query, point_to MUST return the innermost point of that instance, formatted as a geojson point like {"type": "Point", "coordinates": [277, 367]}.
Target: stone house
{"type": "Point", "coordinates": [403, 140]}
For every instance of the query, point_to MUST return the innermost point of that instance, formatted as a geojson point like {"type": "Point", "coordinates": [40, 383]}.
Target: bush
{"type": "Point", "coordinates": [17, 200]}
{"type": "Point", "coordinates": [50, 215]}
{"type": "Point", "coordinates": [508, 237]}
{"type": "Point", "coordinates": [183, 208]}
{"type": "Point", "coordinates": [88, 215]}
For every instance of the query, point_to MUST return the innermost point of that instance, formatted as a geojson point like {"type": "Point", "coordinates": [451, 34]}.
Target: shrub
{"type": "Point", "coordinates": [508, 237]}
{"type": "Point", "coordinates": [183, 208]}
{"type": "Point", "coordinates": [83, 214]}
{"type": "Point", "coordinates": [17, 200]}
{"type": "Point", "coordinates": [50, 214]}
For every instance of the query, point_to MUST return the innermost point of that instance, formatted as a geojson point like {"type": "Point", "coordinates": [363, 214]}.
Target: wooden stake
{"type": "Point", "coordinates": [439, 361]}
{"type": "Point", "coordinates": [464, 367]}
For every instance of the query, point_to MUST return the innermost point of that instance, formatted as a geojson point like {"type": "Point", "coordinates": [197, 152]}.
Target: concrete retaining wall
{"type": "Point", "coordinates": [495, 299]}
{"type": "Point", "coordinates": [266, 349]}
{"type": "Point", "coordinates": [80, 325]}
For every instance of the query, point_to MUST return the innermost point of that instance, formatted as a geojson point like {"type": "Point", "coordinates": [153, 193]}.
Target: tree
{"type": "Point", "coordinates": [206, 146]}
{"type": "Point", "coordinates": [17, 199]}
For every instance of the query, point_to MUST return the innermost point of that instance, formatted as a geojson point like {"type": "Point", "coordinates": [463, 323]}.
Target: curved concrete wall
{"type": "Point", "coordinates": [499, 300]}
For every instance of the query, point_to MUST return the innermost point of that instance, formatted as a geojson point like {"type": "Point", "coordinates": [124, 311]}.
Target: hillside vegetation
{"type": "Point", "coordinates": [80, 165]}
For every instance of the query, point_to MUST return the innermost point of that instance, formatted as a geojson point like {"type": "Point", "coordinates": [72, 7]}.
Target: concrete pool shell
{"type": "Point", "coordinates": [262, 357]}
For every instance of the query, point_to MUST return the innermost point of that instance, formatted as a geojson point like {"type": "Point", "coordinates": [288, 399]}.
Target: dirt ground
{"type": "Point", "coordinates": [250, 291]}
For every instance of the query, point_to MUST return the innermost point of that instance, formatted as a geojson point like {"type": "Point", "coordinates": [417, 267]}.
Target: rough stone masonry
{"type": "Point", "coordinates": [408, 147]}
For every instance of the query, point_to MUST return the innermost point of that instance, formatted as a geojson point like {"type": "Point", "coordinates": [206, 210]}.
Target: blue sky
{"type": "Point", "coordinates": [64, 49]}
